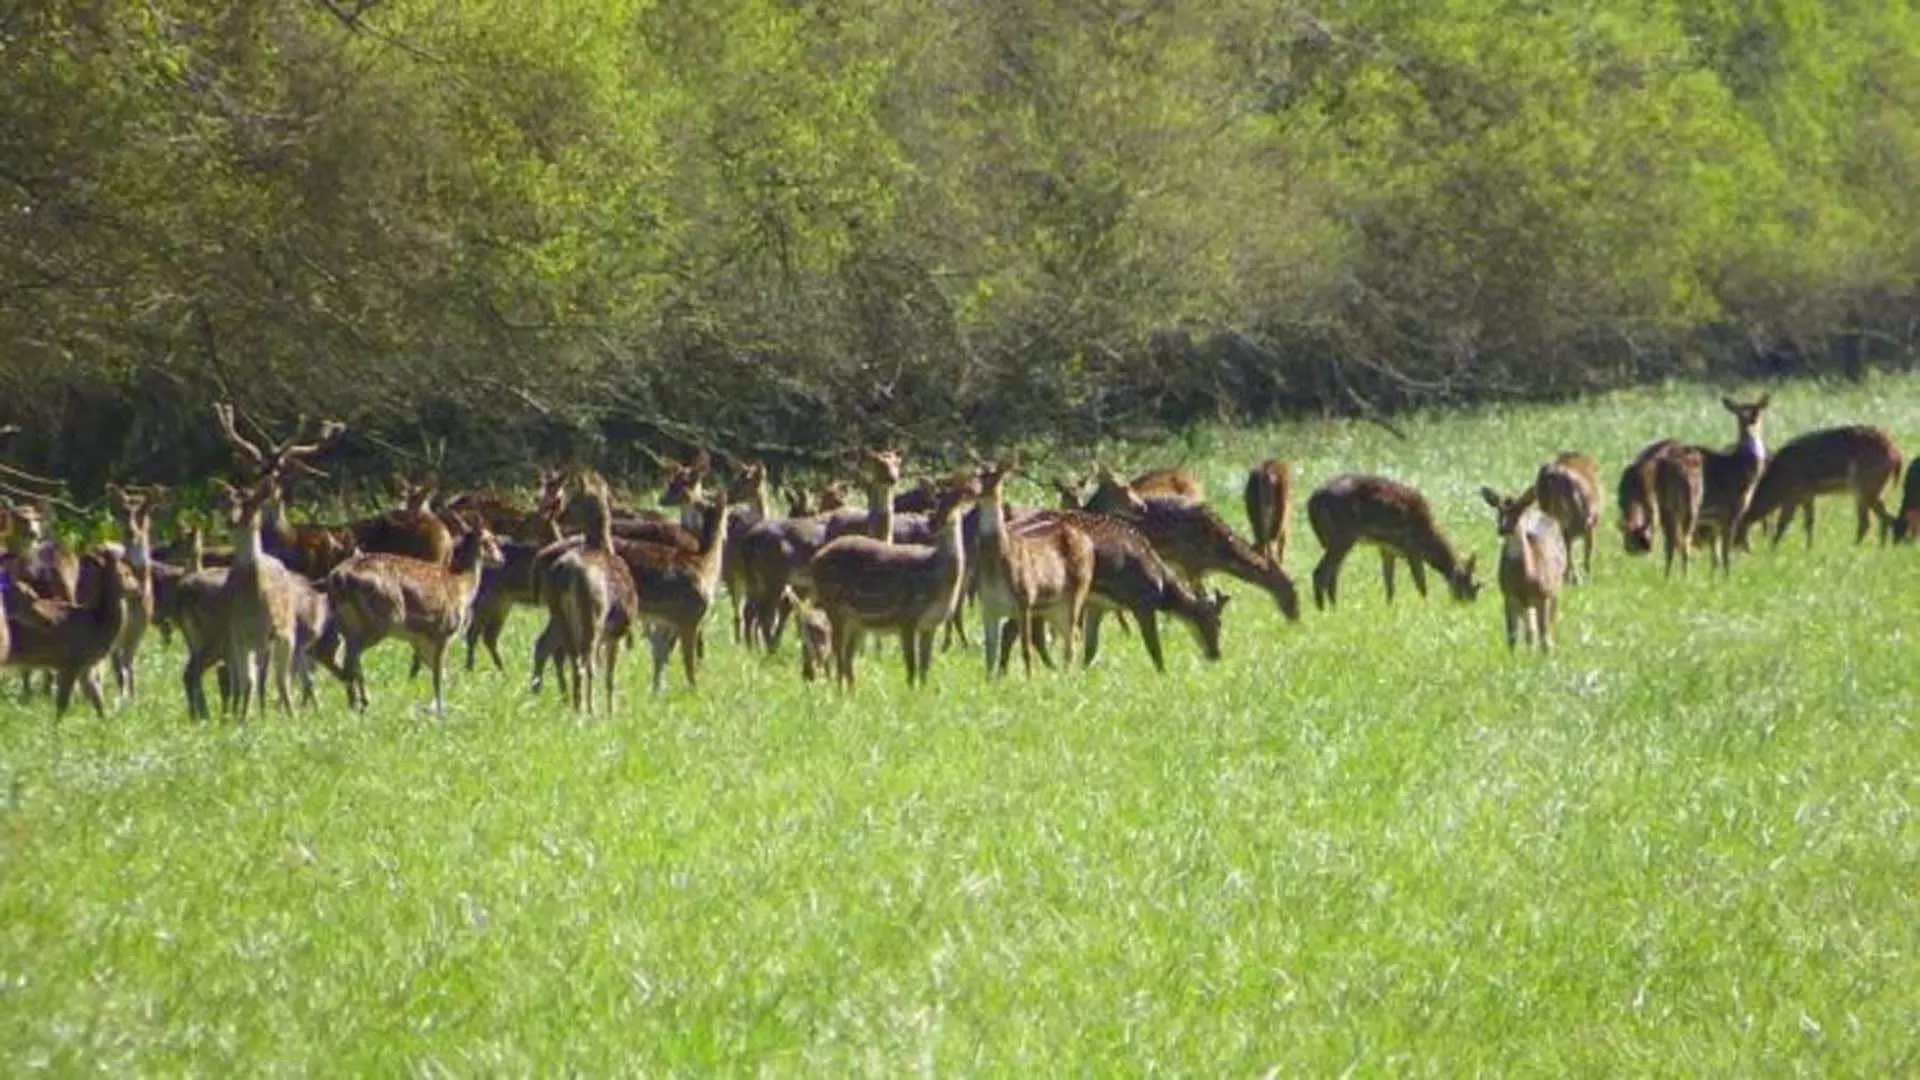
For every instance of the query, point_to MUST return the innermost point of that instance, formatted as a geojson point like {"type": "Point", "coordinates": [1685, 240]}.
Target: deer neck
{"type": "Point", "coordinates": [993, 519]}
{"type": "Point", "coordinates": [880, 512]}
{"type": "Point", "coordinates": [248, 548]}
{"type": "Point", "coordinates": [1749, 448]}
{"type": "Point", "coordinates": [1426, 543]}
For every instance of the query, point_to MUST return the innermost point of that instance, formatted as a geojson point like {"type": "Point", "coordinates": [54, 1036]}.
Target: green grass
{"type": "Point", "coordinates": [1684, 844]}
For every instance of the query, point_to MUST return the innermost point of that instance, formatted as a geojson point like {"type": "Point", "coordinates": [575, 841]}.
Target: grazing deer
{"type": "Point", "coordinates": [1856, 459]}
{"type": "Point", "coordinates": [1352, 509]}
{"type": "Point", "coordinates": [1568, 491]}
{"type": "Point", "coordinates": [1637, 498]}
{"type": "Point", "coordinates": [375, 596]}
{"type": "Point", "coordinates": [775, 560]}
{"type": "Point", "coordinates": [1045, 569]}
{"type": "Point", "coordinates": [675, 590]}
{"type": "Point", "coordinates": [1167, 483]}
{"type": "Point", "coordinates": [1533, 562]}
{"type": "Point", "coordinates": [1906, 523]}
{"type": "Point", "coordinates": [591, 601]}
{"type": "Point", "coordinates": [1728, 478]}
{"type": "Point", "coordinates": [1193, 539]}
{"type": "Point", "coordinates": [1270, 508]}
{"type": "Point", "coordinates": [1130, 578]}
{"type": "Point", "coordinates": [1678, 488]}
{"type": "Point", "coordinates": [70, 640]}
{"type": "Point", "coordinates": [865, 585]}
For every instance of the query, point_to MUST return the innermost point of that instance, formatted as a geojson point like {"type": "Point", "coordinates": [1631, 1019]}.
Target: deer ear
{"type": "Point", "coordinates": [1220, 599]}
{"type": "Point", "coordinates": [1491, 496]}
{"type": "Point", "coordinates": [1728, 404]}
{"type": "Point", "coordinates": [1765, 400]}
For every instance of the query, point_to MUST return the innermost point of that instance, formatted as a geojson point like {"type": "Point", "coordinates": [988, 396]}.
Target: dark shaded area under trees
{"type": "Point", "coordinates": [536, 231]}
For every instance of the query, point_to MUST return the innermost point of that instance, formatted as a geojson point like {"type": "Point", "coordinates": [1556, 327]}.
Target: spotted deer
{"type": "Point", "coordinates": [591, 601]}
{"type": "Point", "coordinates": [675, 589]}
{"type": "Point", "coordinates": [1042, 570]}
{"type": "Point", "coordinates": [1351, 509]}
{"type": "Point", "coordinates": [1567, 490]}
{"type": "Point", "coordinates": [1856, 460]}
{"type": "Point", "coordinates": [1533, 563]}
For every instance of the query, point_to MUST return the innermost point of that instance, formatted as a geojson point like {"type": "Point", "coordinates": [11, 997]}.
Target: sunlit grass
{"type": "Point", "coordinates": [1682, 844]}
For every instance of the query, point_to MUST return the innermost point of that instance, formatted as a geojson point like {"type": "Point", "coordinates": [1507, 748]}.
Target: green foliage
{"type": "Point", "coordinates": [558, 229]}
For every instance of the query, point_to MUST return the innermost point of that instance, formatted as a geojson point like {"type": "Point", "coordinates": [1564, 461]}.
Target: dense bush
{"type": "Point", "coordinates": [580, 229]}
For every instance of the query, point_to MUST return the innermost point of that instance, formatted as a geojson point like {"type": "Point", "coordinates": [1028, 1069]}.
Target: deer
{"type": "Point", "coordinates": [1353, 509]}
{"type": "Point", "coordinates": [307, 550]}
{"type": "Point", "coordinates": [816, 644]}
{"type": "Point", "coordinates": [505, 517]}
{"type": "Point", "coordinates": [1173, 483]}
{"type": "Point", "coordinates": [591, 601]}
{"type": "Point", "coordinates": [1269, 498]}
{"type": "Point", "coordinates": [1567, 489]}
{"type": "Point", "coordinates": [1856, 459]}
{"type": "Point", "coordinates": [1728, 478]}
{"type": "Point", "coordinates": [1045, 569]}
{"type": "Point", "coordinates": [68, 639]}
{"type": "Point", "coordinates": [373, 596]}
{"type": "Point", "coordinates": [1193, 539]}
{"type": "Point", "coordinates": [1906, 523]}
{"type": "Point", "coordinates": [863, 585]}
{"type": "Point", "coordinates": [749, 486]}
{"type": "Point", "coordinates": [1679, 485]}
{"type": "Point", "coordinates": [516, 581]}
{"type": "Point", "coordinates": [1636, 496]}
{"type": "Point", "coordinates": [37, 561]}
{"type": "Point", "coordinates": [412, 529]}
{"type": "Point", "coordinates": [675, 589]}
{"type": "Point", "coordinates": [1533, 563]}
{"type": "Point", "coordinates": [1130, 578]}
{"type": "Point", "coordinates": [135, 513]}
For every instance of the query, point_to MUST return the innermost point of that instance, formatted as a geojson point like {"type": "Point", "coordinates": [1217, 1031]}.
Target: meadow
{"type": "Point", "coordinates": [1372, 842]}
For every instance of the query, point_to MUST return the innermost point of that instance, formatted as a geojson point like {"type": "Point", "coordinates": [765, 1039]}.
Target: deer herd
{"type": "Point", "coordinates": [286, 598]}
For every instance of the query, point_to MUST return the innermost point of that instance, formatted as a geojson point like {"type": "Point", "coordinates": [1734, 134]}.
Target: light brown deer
{"type": "Point", "coordinates": [259, 610]}
{"type": "Point", "coordinates": [591, 601]}
{"type": "Point", "coordinates": [1043, 570]}
{"type": "Point", "coordinates": [1858, 460]}
{"type": "Point", "coordinates": [1351, 509]}
{"type": "Point", "coordinates": [866, 585]}
{"type": "Point", "coordinates": [70, 640]}
{"type": "Point", "coordinates": [1728, 478]}
{"type": "Point", "coordinates": [1678, 488]}
{"type": "Point", "coordinates": [307, 550]}
{"type": "Point", "coordinates": [1636, 496]}
{"type": "Point", "coordinates": [675, 590]}
{"type": "Point", "coordinates": [749, 487]}
{"type": "Point", "coordinates": [376, 596]}
{"type": "Point", "coordinates": [135, 512]}
{"type": "Point", "coordinates": [1533, 563]}
{"type": "Point", "coordinates": [36, 560]}
{"type": "Point", "coordinates": [1568, 491]}
{"type": "Point", "coordinates": [1193, 539]}
{"type": "Point", "coordinates": [1270, 508]}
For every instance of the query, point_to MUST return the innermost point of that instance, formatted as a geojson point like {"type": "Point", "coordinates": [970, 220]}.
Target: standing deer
{"type": "Point", "coordinates": [674, 589]}
{"type": "Point", "coordinates": [374, 596]}
{"type": "Point", "coordinates": [135, 513]}
{"type": "Point", "coordinates": [1637, 498]}
{"type": "Point", "coordinates": [1043, 569]}
{"type": "Point", "coordinates": [1533, 562]}
{"type": "Point", "coordinates": [1679, 484]}
{"type": "Point", "coordinates": [1859, 460]}
{"type": "Point", "coordinates": [1351, 509]}
{"type": "Point", "coordinates": [1728, 478]}
{"type": "Point", "coordinates": [591, 601]}
{"type": "Point", "coordinates": [70, 640]}
{"type": "Point", "coordinates": [1568, 491]}
{"type": "Point", "coordinates": [865, 585]}
{"type": "Point", "coordinates": [1270, 508]}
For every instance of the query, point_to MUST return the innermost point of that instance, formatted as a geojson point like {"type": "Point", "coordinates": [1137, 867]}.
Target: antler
{"type": "Point", "coordinates": [249, 453]}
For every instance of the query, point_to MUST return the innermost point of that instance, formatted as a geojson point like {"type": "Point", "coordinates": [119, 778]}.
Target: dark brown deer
{"type": "Point", "coordinates": [1193, 539]}
{"type": "Point", "coordinates": [1637, 499]}
{"type": "Point", "coordinates": [1351, 509]}
{"type": "Point", "coordinates": [1567, 490]}
{"type": "Point", "coordinates": [675, 590]}
{"type": "Point", "coordinates": [1728, 479]}
{"type": "Point", "coordinates": [1906, 523]}
{"type": "Point", "coordinates": [376, 596]}
{"type": "Point", "coordinates": [1857, 460]}
{"type": "Point", "coordinates": [1270, 508]}
{"type": "Point", "coordinates": [412, 529]}
{"type": "Point", "coordinates": [1043, 570]}
{"type": "Point", "coordinates": [1533, 563]}
{"type": "Point", "coordinates": [1679, 484]}
{"type": "Point", "coordinates": [70, 640]}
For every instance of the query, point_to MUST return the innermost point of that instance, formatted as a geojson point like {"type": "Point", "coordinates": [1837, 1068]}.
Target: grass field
{"type": "Point", "coordinates": [1373, 841]}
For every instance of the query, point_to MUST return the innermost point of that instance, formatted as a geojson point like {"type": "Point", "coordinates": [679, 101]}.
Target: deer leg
{"type": "Point", "coordinates": [1586, 555]}
{"type": "Point", "coordinates": [687, 659]}
{"type": "Point", "coordinates": [923, 641]}
{"type": "Point", "coordinates": [1326, 575]}
{"type": "Point", "coordinates": [1549, 614]}
{"type": "Point", "coordinates": [1386, 572]}
{"type": "Point", "coordinates": [660, 642]}
{"type": "Point", "coordinates": [990, 641]}
{"type": "Point", "coordinates": [1090, 636]}
{"type": "Point", "coordinates": [437, 662]}
{"type": "Point", "coordinates": [1806, 522]}
{"type": "Point", "coordinates": [1862, 520]}
{"type": "Point", "coordinates": [1149, 622]}
{"type": "Point", "coordinates": [282, 657]}
{"type": "Point", "coordinates": [1023, 625]}
{"type": "Point", "coordinates": [1008, 639]}
{"type": "Point", "coordinates": [1418, 568]}
{"type": "Point", "coordinates": [1513, 626]}
{"type": "Point", "coordinates": [91, 685]}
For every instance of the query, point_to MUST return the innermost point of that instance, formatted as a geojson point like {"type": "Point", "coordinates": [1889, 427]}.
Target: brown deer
{"type": "Point", "coordinates": [1353, 509]}
{"type": "Point", "coordinates": [36, 560]}
{"type": "Point", "coordinates": [1636, 496]}
{"type": "Point", "coordinates": [412, 529]}
{"type": "Point", "coordinates": [307, 550]}
{"type": "Point", "coordinates": [1567, 490]}
{"type": "Point", "coordinates": [1130, 578]}
{"type": "Point", "coordinates": [1169, 483]}
{"type": "Point", "coordinates": [1679, 485]}
{"type": "Point", "coordinates": [516, 581]}
{"type": "Point", "coordinates": [1859, 460]}
{"type": "Point", "coordinates": [1906, 523]}
{"type": "Point", "coordinates": [675, 590]}
{"type": "Point", "coordinates": [749, 487]}
{"type": "Point", "coordinates": [863, 584]}
{"type": "Point", "coordinates": [1728, 478]}
{"type": "Point", "coordinates": [259, 610]}
{"type": "Point", "coordinates": [591, 601]}
{"type": "Point", "coordinates": [1270, 508]}
{"type": "Point", "coordinates": [70, 640]}
{"type": "Point", "coordinates": [1193, 539]}
{"type": "Point", "coordinates": [816, 644]}
{"type": "Point", "coordinates": [1045, 569]}
{"type": "Point", "coordinates": [376, 596]}
{"type": "Point", "coordinates": [135, 512]}
{"type": "Point", "coordinates": [1533, 563]}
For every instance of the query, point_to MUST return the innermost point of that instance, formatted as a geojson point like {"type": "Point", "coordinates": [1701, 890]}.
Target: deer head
{"type": "Point", "coordinates": [284, 457]}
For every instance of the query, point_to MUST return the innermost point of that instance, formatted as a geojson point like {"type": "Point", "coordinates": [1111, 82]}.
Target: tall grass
{"type": "Point", "coordinates": [1372, 841]}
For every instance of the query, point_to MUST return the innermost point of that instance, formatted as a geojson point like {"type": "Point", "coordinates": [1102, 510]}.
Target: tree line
{"type": "Point", "coordinates": [491, 232]}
